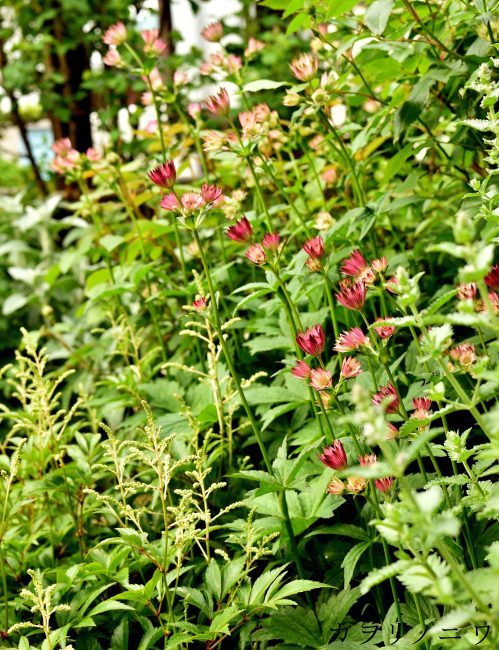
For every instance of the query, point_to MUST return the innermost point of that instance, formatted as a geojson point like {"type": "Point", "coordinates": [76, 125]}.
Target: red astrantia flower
{"type": "Point", "coordinates": [241, 231]}
{"type": "Point", "coordinates": [334, 456]}
{"type": "Point", "coordinates": [170, 202]}
{"type": "Point", "coordinates": [353, 297]}
{"type": "Point", "coordinates": [199, 304]}
{"type": "Point", "coordinates": [301, 369]}
{"type": "Point", "coordinates": [384, 331]}
{"type": "Point", "coordinates": [271, 241]}
{"type": "Point", "coordinates": [165, 175]}
{"type": "Point", "coordinates": [384, 484]}
{"type": "Point", "coordinates": [321, 379]}
{"type": "Point", "coordinates": [387, 393]}
{"type": "Point", "coordinates": [351, 340]}
{"type": "Point", "coordinates": [350, 368]}
{"type": "Point", "coordinates": [314, 247]}
{"type": "Point", "coordinates": [492, 278]}
{"type": "Point", "coordinates": [256, 254]}
{"type": "Point", "coordinates": [218, 104]}
{"type": "Point", "coordinates": [312, 340]}
{"type": "Point", "coordinates": [357, 267]}
{"type": "Point", "coordinates": [212, 194]}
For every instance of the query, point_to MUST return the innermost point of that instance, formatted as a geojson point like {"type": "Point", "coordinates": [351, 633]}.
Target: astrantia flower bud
{"type": "Point", "coordinates": [241, 231]}
{"type": "Point", "coordinates": [256, 254]}
{"type": "Point", "coordinates": [384, 484]}
{"type": "Point", "coordinates": [389, 395]}
{"type": "Point", "coordinates": [115, 35]}
{"type": "Point", "coordinates": [384, 331]}
{"type": "Point", "coordinates": [353, 297]}
{"type": "Point", "coordinates": [218, 104]}
{"type": "Point", "coordinates": [312, 340]}
{"type": "Point", "coordinates": [301, 369]}
{"type": "Point", "coordinates": [467, 291]}
{"type": "Point", "coordinates": [271, 241]}
{"type": "Point", "coordinates": [314, 247]}
{"type": "Point", "coordinates": [334, 456]}
{"type": "Point", "coordinates": [165, 175]}
{"type": "Point", "coordinates": [192, 201]}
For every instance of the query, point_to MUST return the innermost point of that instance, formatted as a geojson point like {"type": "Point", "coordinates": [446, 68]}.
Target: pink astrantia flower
{"type": "Point", "coordinates": [194, 109]}
{"type": "Point", "coordinates": [314, 247]}
{"type": "Point", "coordinates": [334, 456]}
{"type": "Point", "coordinates": [335, 486]}
{"type": "Point", "coordinates": [115, 35]}
{"type": "Point", "coordinates": [357, 267]}
{"type": "Point", "coordinates": [321, 379]}
{"type": "Point", "coordinates": [271, 241]}
{"type": "Point", "coordinates": [350, 368]}
{"type": "Point", "coordinates": [388, 394]}
{"type": "Point", "coordinates": [304, 67]}
{"type": "Point", "coordinates": [192, 201]}
{"type": "Point", "coordinates": [353, 297]}
{"type": "Point", "coordinates": [422, 408]}
{"type": "Point", "coordinates": [170, 202]}
{"type": "Point", "coordinates": [464, 354]}
{"type": "Point", "coordinates": [199, 304]}
{"type": "Point", "coordinates": [254, 46]}
{"type": "Point", "coordinates": [62, 147]}
{"type": "Point", "coordinates": [256, 254]}
{"type": "Point", "coordinates": [492, 278]}
{"type": "Point", "coordinates": [313, 264]}
{"type": "Point", "coordinates": [312, 340]}
{"type": "Point", "coordinates": [218, 104]}
{"type": "Point", "coordinates": [180, 78]}
{"type": "Point", "coordinates": [368, 459]}
{"type": "Point", "coordinates": [467, 291]}
{"type": "Point", "coordinates": [494, 299]}
{"type": "Point", "coordinates": [384, 484]}
{"type": "Point", "coordinates": [212, 194]}
{"type": "Point", "coordinates": [379, 265]}
{"type": "Point", "coordinates": [301, 369]}
{"type": "Point", "coordinates": [351, 340]}
{"type": "Point", "coordinates": [113, 59]}
{"type": "Point", "coordinates": [92, 154]}
{"type": "Point", "coordinates": [241, 231]}
{"type": "Point", "coordinates": [392, 431]}
{"type": "Point", "coordinates": [152, 43]}
{"type": "Point", "coordinates": [384, 331]}
{"type": "Point", "coordinates": [165, 175]}
{"type": "Point", "coordinates": [213, 32]}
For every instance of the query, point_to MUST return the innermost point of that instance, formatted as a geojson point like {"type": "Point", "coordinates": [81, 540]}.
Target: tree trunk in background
{"type": "Point", "coordinates": [165, 25]}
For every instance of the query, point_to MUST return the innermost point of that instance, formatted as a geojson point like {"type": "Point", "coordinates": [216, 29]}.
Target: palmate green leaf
{"type": "Point", "coordinates": [294, 625]}
{"type": "Point", "coordinates": [282, 596]}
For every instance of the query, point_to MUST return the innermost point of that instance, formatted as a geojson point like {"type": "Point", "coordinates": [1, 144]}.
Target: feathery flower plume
{"type": "Point", "coordinates": [353, 297]}
{"type": "Point", "coordinates": [241, 231]}
{"type": "Point", "coordinates": [312, 340]}
{"type": "Point", "coordinates": [334, 456]}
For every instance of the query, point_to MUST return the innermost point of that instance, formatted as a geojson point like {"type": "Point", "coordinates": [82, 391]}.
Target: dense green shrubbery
{"type": "Point", "coordinates": [253, 402]}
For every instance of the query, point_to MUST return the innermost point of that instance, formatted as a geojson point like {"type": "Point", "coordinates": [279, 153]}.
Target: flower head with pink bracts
{"type": "Point", "coordinates": [389, 396]}
{"type": "Point", "coordinates": [351, 340]}
{"type": "Point", "coordinates": [200, 303]}
{"type": "Point", "coordinates": [321, 379]}
{"type": "Point", "coordinates": [467, 291]}
{"type": "Point", "coordinates": [115, 35]}
{"type": "Point", "coordinates": [312, 340]}
{"type": "Point", "coordinates": [301, 369]}
{"type": "Point", "coordinates": [212, 194]}
{"type": "Point", "coordinates": [165, 175]}
{"type": "Point", "coordinates": [170, 202]}
{"type": "Point", "coordinates": [357, 267]}
{"type": "Point", "coordinates": [350, 368]}
{"type": "Point", "coordinates": [256, 254]}
{"type": "Point", "coordinates": [113, 59]}
{"type": "Point", "coordinates": [218, 104]}
{"type": "Point", "coordinates": [353, 297]}
{"type": "Point", "coordinates": [422, 408]}
{"type": "Point", "coordinates": [241, 231]}
{"type": "Point", "coordinates": [213, 32]}
{"type": "Point", "coordinates": [464, 354]}
{"type": "Point", "coordinates": [368, 459]}
{"type": "Point", "coordinates": [384, 484]}
{"type": "Point", "coordinates": [191, 201]}
{"type": "Point", "coordinates": [492, 278]}
{"type": "Point", "coordinates": [314, 247]}
{"type": "Point", "coordinates": [152, 43]}
{"type": "Point", "coordinates": [194, 109]}
{"type": "Point", "coordinates": [334, 456]}
{"type": "Point", "coordinates": [304, 67]}
{"type": "Point", "coordinates": [66, 158]}
{"type": "Point", "coordinates": [92, 154]}
{"type": "Point", "coordinates": [335, 486]}
{"type": "Point", "coordinates": [384, 331]}
{"type": "Point", "coordinates": [379, 265]}
{"type": "Point", "coordinates": [254, 46]}
{"type": "Point", "coordinates": [271, 241]}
